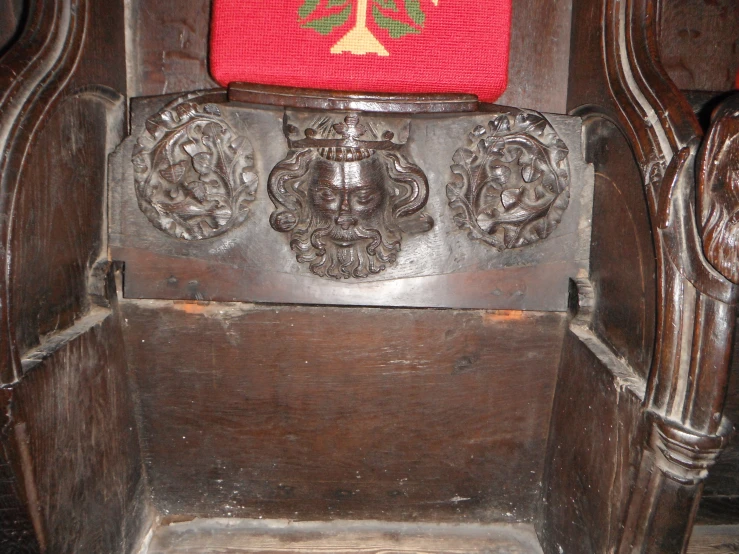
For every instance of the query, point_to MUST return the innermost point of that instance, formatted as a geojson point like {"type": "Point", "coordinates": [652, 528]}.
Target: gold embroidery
{"type": "Point", "coordinates": [360, 40]}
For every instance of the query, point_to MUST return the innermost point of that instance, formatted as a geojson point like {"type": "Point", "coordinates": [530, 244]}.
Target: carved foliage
{"type": "Point", "coordinates": [718, 191]}
{"type": "Point", "coordinates": [512, 183]}
{"type": "Point", "coordinates": [194, 173]}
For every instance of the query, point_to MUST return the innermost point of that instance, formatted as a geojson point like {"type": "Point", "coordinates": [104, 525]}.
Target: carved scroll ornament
{"type": "Point", "coordinates": [194, 173]}
{"type": "Point", "coordinates": [345, 195]}
{"type": "Point", "coordinates": [512, 184]}
{"type": "Point", "coordinates": [718, 191]}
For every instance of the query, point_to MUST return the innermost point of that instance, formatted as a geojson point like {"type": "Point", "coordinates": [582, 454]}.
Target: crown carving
{"type": "Point", "coordinates": [343, 141]}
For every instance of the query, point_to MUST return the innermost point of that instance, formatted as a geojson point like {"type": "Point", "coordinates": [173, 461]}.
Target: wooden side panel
{"type": "Point", "coordinates": [322, 413]}
{"type": "Point", "coordinates": [76, 443]}
{"type": "Point", "coordinates": [540, 55]}
{"type": "Point", "coordinates": [58, 171]}
{"type": "Point", "coordinates": [700, 43]}
{"type": "Point", "coordinates": [622, 257]}
{"type": "Point", "coordinates": [70, 466]}
{"type": "Point", "coordinates": [59, 214]}
{"type": "Point", "coordinates": [170, 42]}
{"type": "Point", "coordinates": [11, 12]}
{"type": "Point", "coordinates": [169, 39]}
{"type": "Point", "coordinates": [593, 445]}
{"type": "Point", "coordinates": [17, 534]}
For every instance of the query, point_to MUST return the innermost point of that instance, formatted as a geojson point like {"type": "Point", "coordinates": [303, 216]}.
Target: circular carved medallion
{"type": "Point", "coordinates": [512, 181]}
{"type": "Point", "coordinates": [194, 174]}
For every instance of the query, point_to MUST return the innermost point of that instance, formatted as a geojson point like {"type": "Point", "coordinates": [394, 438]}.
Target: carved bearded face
{"type": "Point", "coordinates": [344, 217]}
{"type": "Point", "coordinates": [347, 196]}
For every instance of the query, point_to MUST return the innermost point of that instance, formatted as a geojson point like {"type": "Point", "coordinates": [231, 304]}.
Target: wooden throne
{"type": "Point", "coordinates": [515, 336]}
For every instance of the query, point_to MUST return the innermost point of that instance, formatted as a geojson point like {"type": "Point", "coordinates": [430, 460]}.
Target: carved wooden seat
{"type": "Point", "coordinates": [262, 319]}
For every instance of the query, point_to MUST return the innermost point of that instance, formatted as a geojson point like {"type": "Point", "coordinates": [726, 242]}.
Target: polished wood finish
{"type": "Point", "coordinates": [74, 434]}
{"type": "Point", "coordinates": [215, 536]}
{"type": "Point", "coordinates": [599, 425]}
{"type": "Point", "coordinates": [699, 43]}
{"type": "Point", "coordinates": [72, 477]}
{"type": "Point", "coordinates": [433, 252]}
{"type": "Point", "coordinates": [11, 14]}
{"type": "Point", "coordinates": [359, 413]}
{"type": "Point", "coordinates": [52, 89]}
{"type": "Point", "coordinates": [353, 101]}
{"type": "Point", "coordinates": [682, 430]}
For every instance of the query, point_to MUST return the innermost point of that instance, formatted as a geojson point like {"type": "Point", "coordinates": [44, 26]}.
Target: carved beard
{"type": "Point", "coordinates": [360, 251]}
{"type": "Point", "coordinates": [366, 250]}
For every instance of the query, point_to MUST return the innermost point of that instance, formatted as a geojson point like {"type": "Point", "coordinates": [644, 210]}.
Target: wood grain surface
{"type": "Point", "coordinates": [75, 441]}
{"type": "Point", "coordinates": [593, 442]}
{"type": "Point", "coordinates": [442, 267]}
{"type": "Point", "coordinates": [616, 75]}
{"type": "Point", "coordinates": [622, 257]}
{"type": "Point", "coordinates": [11, 12]}
{"type": "Point", "coordinates": [540, 54]}
{"type": "Point", "coordinates": [55, 159]}
{"type": "Point", "coordinates": [720, 502]}
{"type": "Point", "coordinates": [323, 413]}
{"type": "Point", "coordinates": [700, 43]}
{"type": "Point", "coordinates": [714, 539]}
{"type": "Point", "coordinates": [61, 206]}
{"type": "Point", "coordinates": [244, 536]}
{"type": "Point", "coordinates": [212, 536]}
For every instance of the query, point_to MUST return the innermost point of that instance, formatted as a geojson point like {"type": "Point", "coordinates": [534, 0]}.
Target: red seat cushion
{"type": "Point", "coordinates": [364, 45]}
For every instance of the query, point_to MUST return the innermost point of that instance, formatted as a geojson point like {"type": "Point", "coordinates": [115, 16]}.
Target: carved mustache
{"type": "Point", "coordinates": [352, 235]}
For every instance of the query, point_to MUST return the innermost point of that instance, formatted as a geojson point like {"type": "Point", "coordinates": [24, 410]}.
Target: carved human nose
{"type": "Point", "coordinates": [345, 219]}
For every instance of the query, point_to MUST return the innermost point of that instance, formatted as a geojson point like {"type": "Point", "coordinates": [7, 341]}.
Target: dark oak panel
{"type": "Point", "coordinates": [74, 439]}
{"type": "Point", "coordinates": [170, 46]}
{"type": "Point", "coordinates": [536, 239]}
{"type": "Point", "coordinates": [11, 13]}
{"type": "Point", "coordinates": [61, 113]}
{"type": "Point", "coordinates": [17, 534]}
{"type": "Point", "coordinates": [616, 75]}
{"type": "Point", "coordinates": [61, 207]}
{"type": "Point", "coordinates": [593, 445]}
{"type": "Point", "coordinates": [622, 257]}
{"type": "Point", "coordinates": [720, 502]}
{"type": "Point", "coordinates": [70, 466]}
{"type": "Point", "coordinates": [216, 536]}
{"type": "Point", "coordinates": [343, 413]}
{"type": "Point", "coordinates": [540, 55]}
{"type": "Point", "coordinates": [700, 43]}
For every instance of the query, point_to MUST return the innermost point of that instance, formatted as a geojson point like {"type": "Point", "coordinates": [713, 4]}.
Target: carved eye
{"type": "Point", "coordinates": [365, 197]}
{"type": "Point", "coordinates": [326, 195]}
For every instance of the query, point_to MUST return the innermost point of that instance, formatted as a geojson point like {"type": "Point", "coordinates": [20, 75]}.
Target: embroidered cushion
{"type": "Point", "coordinates": [364, 45]}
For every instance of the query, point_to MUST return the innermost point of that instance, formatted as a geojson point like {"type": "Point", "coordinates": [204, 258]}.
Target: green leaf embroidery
{"type": "Point", "coordinates": [395, 28]}
{"type": "Point", "coordinates": [413, 7]}
{"type": "Point", "coordinates": [325, 25]}
{"type": "Point", "coordinates": [334, 3]}
{"type": "Point", "coordinates": [388, 4]}
{"type": "Point", "coordinates": [308, 7]}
